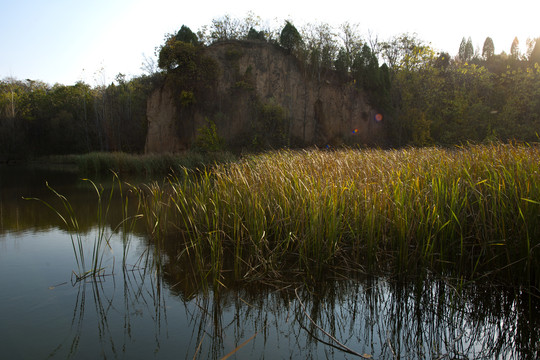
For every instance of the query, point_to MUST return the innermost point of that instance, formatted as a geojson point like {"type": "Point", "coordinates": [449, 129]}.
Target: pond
{"type": "Point", "coordinates": [143, 305]}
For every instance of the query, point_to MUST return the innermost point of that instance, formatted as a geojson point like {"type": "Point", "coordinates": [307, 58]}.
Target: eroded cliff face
{"type": "Point", "coordinates": [258, 84]}
{"type": "Point", "coordinates": [162, 117]}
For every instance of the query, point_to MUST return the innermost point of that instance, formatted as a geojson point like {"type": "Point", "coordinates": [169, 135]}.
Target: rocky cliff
{"type": "Point", "coordinates": [262, 96]}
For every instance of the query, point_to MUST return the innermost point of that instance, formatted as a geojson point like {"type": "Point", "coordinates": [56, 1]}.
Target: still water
{"type": "Point", "coordinates": [149, 308]}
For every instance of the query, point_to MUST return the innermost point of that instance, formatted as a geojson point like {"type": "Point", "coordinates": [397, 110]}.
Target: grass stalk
{"type": "Point", "coordinates": [69, 219]}
{"type": "Point", "coordinates": [464, 211]}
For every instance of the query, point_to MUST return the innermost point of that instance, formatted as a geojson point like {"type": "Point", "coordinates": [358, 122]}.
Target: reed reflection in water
{"type": "Point", "coordinates": [149, 311]}
{"type": "Point", "coordinates": [151, 306]}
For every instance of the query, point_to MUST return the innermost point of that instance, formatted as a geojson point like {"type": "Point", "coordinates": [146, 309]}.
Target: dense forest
{"type": "Point", "coordinates": [426, 97]}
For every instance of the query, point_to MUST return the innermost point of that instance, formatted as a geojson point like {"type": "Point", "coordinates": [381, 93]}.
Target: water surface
{"type": "Point", "coordinates": [151, 308]}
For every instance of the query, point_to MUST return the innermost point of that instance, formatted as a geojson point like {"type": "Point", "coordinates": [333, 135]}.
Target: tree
{"type": "Point", "coordinates": [290, 38]}
{"type": "Point", "coordinates": [351, 45]}
{"type": "Point", "coordinates": [256, 35]}
{"type": "Point", "coordinates": [489, 48]}
{"type": "Point", "coordinates": [208, 139]}
{"type": "Point", "coordinates": [469, 50]}
{"type": "Point", "coordinates": [535, 54]}
{"type": "Point", "coordinates": [366, 69]}
{"type": "Point", "coordinates": [466, 50]}
{"type": "Point", "coordinates": [149, 65]}
{"type": "Point", "coordinates": [514, 49]}
{"type": "Point", "coordinates": [403, 51]}
{"type": "Point", "coordinates": [321, 46]}
{"type": "Point", "coordinates": [186, 35]}
{"type": "Point", "coordinates": [461, 51]}
{"type": "Point", "coordinates": [177, 54]}
{"type": "Point", "coordinates": [342, 63]}
{"type": "Point", "coordinates": [225, 28]}
{"type": "Point", "coordinates": [443, 60]}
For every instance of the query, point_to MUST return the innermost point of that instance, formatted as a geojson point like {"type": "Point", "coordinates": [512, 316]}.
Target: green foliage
{"type": "Point", "coordinates": [535, 54]}
{"type": "Point", "coordinates": [465, 102]}
{"type": "Point", "coordinates": [178, 54]}
{"type": "Point", "coordinates": [365, 69]}
{"type": "Point", "coordinates": [101, 163]}
{"type": "Point", "coordinates": [247, 81]}
{"type": "Point", "coordinates": [271, 127]}
{"type": "Point", "coordinates": [186, 35]}
{"type": "Point", "coordinates": [233, 54]}
{"type": "Point", "coordinates": [468, 213]}
{"type": "Point", "coordinates": [208, 139]}
{"type": "Point", "coordinates": [425, 97]}
{"type": "Point", "coordinates": [342, 63]}
{"type": "Point", "coordinates": [514, 49]}
{"type": "Point", "coordinates": [226, 28]}
{"type": "Point", "coordinates": [290, 38]}
{"type": "Point", "coordinates": [488, 50]}
{"type": "Point", "coordinates": [319, 48]}
{"type": "Point", "coordinates": [37, 119]}
{"type": "Point", "coordinates": [256, 35]}
{"type": "Point", "coordinates": [466, 50]}
{"type": "Point", "coordinates": [189, 70]}
{"type": "Point", "coordinates": [443, 61]}
{"type": "Point", "coordinates": [187, 98]}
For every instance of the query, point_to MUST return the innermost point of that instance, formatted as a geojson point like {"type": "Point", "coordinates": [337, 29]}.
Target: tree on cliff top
{"type": "Point", "coordinates": [186, 35]}
{"type": "Point", "coordinates": [466, 50]}
{"type": "Point", "coordinates": [489, 49]}
{"type": "Point", "coordinates": [535, 54]}
{"type": "Point", "coordinates": [514, 49]}
{"type": "Point", "coordinates": [290, 38]}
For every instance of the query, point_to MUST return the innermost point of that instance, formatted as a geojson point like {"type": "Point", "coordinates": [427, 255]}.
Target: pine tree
{"type": "Point", "coordinates": [489, 49]}
{"type": "Point", "coordinates": [290, 38]}
{"type": "Point", "coordinates": [461, 52]}
{"type": "Point", "coordinates": [469, 50]}
{"type": "Point", "coordinates": [514, 49]}
{"type": "Point", "coordinates": [535, 55]}
{"type": "Point", "coordinates": [466, 50]}
{"type": "Point", "coordinates": [186, 35]}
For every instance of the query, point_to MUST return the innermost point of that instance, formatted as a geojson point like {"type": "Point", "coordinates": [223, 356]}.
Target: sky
{"type": "Point", "coordinates": [65, 41]}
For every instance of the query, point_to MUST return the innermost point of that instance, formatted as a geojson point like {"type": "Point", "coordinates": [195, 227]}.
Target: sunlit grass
{"type": "Point", "coordinates": [468, 212]}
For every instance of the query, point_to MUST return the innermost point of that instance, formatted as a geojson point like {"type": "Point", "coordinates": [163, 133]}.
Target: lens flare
{"type": "Point", "coordinates": [355, 131]}
{"type": "Point", "coordinates": [378, 117]}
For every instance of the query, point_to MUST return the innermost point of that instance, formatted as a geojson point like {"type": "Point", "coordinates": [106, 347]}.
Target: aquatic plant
{"type": "Point", "coordinates": [91, 265]}
{"type": "Point", "coordinates": [469, 212]}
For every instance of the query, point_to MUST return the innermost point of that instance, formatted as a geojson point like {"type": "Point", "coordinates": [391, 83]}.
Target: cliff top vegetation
{"type": "Point", "coordinates": [428, 97]}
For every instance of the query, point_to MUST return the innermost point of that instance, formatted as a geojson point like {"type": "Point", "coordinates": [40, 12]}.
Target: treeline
{"type": "Point", "coordinates": [439, 99]}
{"type": "Point", "coordinates": [426, 97]}
{"type": "Point", "coordinates": [37, 119]}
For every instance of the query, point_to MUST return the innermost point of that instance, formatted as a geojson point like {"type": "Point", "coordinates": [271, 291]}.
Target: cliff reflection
{"type": "Point", "coordinates": [18, 214]}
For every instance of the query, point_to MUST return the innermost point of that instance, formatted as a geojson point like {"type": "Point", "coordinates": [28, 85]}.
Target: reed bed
{"type": "Point", "coordinates": [469, 212]}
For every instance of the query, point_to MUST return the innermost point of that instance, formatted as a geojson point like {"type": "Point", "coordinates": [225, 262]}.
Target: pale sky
{"type": "Point", "coordinates": [64, 41]}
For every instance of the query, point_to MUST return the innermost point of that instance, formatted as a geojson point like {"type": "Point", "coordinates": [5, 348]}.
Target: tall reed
{"type": "Point", "coordinates": [91, 265]}
{"type": "Point", "coordinates": [471, 211]}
